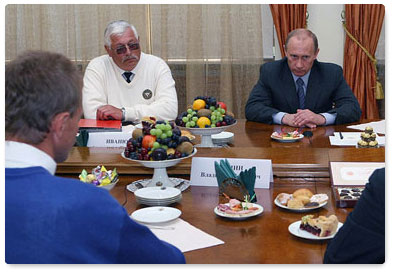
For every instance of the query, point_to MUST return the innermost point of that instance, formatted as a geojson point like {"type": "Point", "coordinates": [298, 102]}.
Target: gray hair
{"type": "Point", "coordinates": [301, 32]}
{"type": "Point", "coordinates": [38, 86]}
{"type": "Point", "coordinates": [117, 28]}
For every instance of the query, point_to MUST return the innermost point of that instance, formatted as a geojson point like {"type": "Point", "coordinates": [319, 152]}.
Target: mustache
{"type": "Point", "coordinates": [130, 57]}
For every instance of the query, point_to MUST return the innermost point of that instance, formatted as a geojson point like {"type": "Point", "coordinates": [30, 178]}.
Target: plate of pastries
{"type": "Point", "coordinates": [301, 200]}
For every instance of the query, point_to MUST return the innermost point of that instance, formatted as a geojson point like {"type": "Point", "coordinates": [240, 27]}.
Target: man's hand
{"type": "Point", "coordinates": [308, 118]}
{"type": "Point", "coordinates": [288, 119]}
{"type": "Point", "coordinates": [107, 112]}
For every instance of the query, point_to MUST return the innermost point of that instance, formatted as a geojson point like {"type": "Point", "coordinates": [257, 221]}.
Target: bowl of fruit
{"type": "Point", "coordinates": [206, 117]}
{"type": "Point", "coordinates": [158, 145]}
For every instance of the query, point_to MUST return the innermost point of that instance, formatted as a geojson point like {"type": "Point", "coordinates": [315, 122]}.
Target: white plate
{"type": "Point", "coordinates": [278, 204]}
{"type": "Point", "coordinates": [156, 193]}
{"type": "Point", "coordinates": [239, 216]}
{"type": "Point", "coordinates": [155, 215]}
{"type": "Point", "coordinates": [223, 137]}
{"type": "Point", "coordinates": [287, 140]}
{"type": "Point", "coordinates": [295, 230]}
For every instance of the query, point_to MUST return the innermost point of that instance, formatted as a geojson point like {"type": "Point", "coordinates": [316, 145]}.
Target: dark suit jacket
{"type": "Point", "coordinates": [362, 237]}
{"type": "Point", "coordinates": [327, 92]}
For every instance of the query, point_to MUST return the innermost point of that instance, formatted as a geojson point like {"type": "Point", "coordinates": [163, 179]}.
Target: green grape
{"type": "Point", "coordinates": [169, 133]}
{"type": "Point", "coordinates": [185, 119]}
{"type": "Point", "coordinates": [194, 113]}
{"type": "Point", "coordinates": [156, 145]}
{"type": "Point", "coordinates": [164, 147]}
{"type": "Point", "coordinates": [212, 108]}
{"type": "Point", "coordinates": [213, 118]}
{"type": "Point", "coordinates": [213, 125]}
{"type": "Point", "coordinates": [195, 118]}
{"type": "Point", "coordinates": [163, 127]}
{"type": "Point", "coordinates": [158, 132]}
{"type": "Point", "coordinates": [152, 132]}
{"type": "Point", "coordinates": [189, 111]}
{"type": "Point", "coordinates": [192, 123]}
{"type": "Point", "coordinates": [220, 118]}
{"type": "Point", "coordinates": [163, 136]}
{"type": "Point", "coordinates": [188, 124]}
{"type": "Point", "coordinates": [189, 116]}
{"type": "Point", "coordinates": [168, 127]}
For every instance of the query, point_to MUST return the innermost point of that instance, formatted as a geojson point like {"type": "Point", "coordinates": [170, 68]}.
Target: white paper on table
{"type": "Point", "coordinates": [353, 173]}
{"type": "Point", "coordinates": [185, 236]}
{"type": "Point", "coordinates": [351, 139]}
{"type": "Point", "coordinates": [378, 126]}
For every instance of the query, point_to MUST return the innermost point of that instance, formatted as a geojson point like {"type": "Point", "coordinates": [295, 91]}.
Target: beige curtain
{"type": "Point", "coordinates": [213, 50]}
{"type": "Point", "coordinates": [73, 30]}
{"type": "Point", "coordinates": [222, 46]}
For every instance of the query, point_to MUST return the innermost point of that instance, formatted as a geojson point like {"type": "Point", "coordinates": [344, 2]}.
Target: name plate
{"type": "Point", "coordinates": [203, 170]}
{"type": "Point", "coordinates": [108, 139]}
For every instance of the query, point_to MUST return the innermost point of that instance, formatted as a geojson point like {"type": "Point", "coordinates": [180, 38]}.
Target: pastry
{"type": "Point", "coordinates": [283, 198]}
{"type": "Point", "coordinates": [295, 204]}
{"type": "Point", "coordinates": [373, 144]}
{"type": "Point", "coordinates": [319, 198]}
{"type": "Point", "coordinates": [305, 192]}
{"type": "Point", "coordinates": [305, 199]}
{"type": "Point", "coordinates": [321, 226]}
{"type": "Point", "coordinates": [368, 129]}
{"type": "Point", "coordinates": [362, 144]}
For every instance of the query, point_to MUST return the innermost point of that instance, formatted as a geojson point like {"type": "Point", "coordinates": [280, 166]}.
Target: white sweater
{"type": "Point", "coordinates": [104, 84]}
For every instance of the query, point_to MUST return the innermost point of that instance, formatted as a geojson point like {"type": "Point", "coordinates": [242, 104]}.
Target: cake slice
{"type": "Point", "coordinates": [321, 226]}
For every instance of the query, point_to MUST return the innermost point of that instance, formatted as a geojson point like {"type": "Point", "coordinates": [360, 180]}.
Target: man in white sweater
{"type": "Point", "coordinates": [127, 84]}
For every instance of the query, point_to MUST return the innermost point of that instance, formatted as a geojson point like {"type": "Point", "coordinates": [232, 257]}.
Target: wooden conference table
{"type": "Point", "coordinates": [262, 239]}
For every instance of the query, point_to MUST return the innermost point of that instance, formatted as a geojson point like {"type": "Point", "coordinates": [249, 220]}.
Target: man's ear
{"type": "Point", "coordinates": [59, 125]}
{"type": "Point", "coordinates": [109, 52]}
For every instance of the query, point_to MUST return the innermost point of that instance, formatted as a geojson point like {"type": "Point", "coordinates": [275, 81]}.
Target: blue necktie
{"type": "Point", "coordinates": [300, 91]}
{"type": "Point", "coordinates": [128, 76]}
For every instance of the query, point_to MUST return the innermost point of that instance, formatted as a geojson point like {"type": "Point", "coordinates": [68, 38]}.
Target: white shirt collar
{"type": "Point", "coordinates": [22, 155]}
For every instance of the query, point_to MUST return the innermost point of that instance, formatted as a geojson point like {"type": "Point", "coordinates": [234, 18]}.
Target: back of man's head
{"type": "Point", "coordinates": [38, 86]}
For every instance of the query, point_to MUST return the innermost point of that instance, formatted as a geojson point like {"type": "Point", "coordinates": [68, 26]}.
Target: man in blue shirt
{"type": "Point", "coordinates": [51, 219]}
{"type": "Point", "coordinates": [300, 91]}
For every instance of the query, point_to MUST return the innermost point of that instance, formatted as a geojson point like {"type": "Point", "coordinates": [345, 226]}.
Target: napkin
{"type": "Point", "coordinates": [184, 236]}
{"type": "Point", "coordinates": [223, 170]}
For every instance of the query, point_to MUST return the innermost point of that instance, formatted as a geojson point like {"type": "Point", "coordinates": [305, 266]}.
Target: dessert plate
{"type": "Point", "coordinates": [278, 204]}
{"type": "Point", "coordinates": [285, 140]}
{"type": "Point", "coordinates": [295, 230]}
{"type": "Point", "coordinates": [239, 216]}
{"type": "Point", "coordinates": [155, 215]}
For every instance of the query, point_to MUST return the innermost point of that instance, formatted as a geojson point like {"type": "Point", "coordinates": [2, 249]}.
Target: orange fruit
{"type": "Point", "coordinates": [198, 104]}
{"type": "Point", "coordinates": [202, 122]}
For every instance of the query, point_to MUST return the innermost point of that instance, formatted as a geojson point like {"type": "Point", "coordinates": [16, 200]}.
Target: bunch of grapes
{"type": "Point", "coordinates": [205, 112]}
{"type": "Point", "coordinates": [157, 140]}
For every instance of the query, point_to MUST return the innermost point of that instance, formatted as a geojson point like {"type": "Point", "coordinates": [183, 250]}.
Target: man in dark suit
{"type": "Point", "coordinates": [300, 91]}
{"type": "Point", "coordinates": [361, 240]}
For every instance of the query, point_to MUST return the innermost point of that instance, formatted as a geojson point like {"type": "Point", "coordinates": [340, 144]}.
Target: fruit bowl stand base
{"type": "Point", "coordinates": [179, 183]}
{"type": "Point", "coordinates": [207, 142]}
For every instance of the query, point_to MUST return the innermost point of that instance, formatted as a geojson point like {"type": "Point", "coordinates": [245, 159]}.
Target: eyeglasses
{"type": "Point", "coordinates": [122, 49]}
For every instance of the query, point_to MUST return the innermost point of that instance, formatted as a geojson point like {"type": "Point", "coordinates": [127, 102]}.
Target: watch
{"type": "Point", "coordinates": [123, 113]}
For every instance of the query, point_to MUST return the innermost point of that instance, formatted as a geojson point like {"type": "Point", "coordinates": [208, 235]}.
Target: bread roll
{"type": "Point", "coordinates": [303, 198]}
{"type": "Point", "coordinates": [305, 192]}
{"type": "Point", "coordinates": [295, 204]}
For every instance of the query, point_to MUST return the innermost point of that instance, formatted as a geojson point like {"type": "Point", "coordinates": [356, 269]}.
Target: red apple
{"type": "Point", "coordinates": [222, 105]}
{"type": "Point", "coordinates": [148, 141]}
